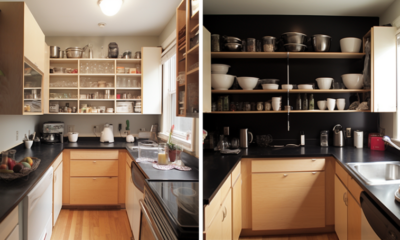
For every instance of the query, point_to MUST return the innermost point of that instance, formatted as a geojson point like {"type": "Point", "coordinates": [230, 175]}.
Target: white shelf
{"type": "Point", "coordinates": [129, 88]}
{"type": "Point", "coordinates": [96, 74]}
{"type": "Point", "coordinates": [129, 100]}
{"type": "Point", "coordinates": [94, 88]}
{"type": "Point", "coordinates": [31, 99]}
{"type": "Point", "coordinates": [101, 100]}
{"type": "Point", "coordinates": [63, 88]}
{"type": "Point", "coordinates": [129, 74]}
{"type": "Point", "coordinates": [31, 88]}
{"type": "Point", "coordinates": [62, 74]}
{"type": "Point", "coordinates": [63, 99]}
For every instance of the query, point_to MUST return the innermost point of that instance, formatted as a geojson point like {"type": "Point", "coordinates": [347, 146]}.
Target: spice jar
{"type": "Point", "coordinates": [215, 46]}
{"type": "Point", "coordinates": [251, 44]}
{"type": "Point", "coordinates": [269, 44]}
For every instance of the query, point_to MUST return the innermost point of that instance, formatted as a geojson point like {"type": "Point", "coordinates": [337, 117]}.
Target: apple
{"type": "Point", "coordinates": [11, 163]}
{"type": "Point", "coordinates": [18, 167]}
{"type": "Point", "coordinates": [3, 166]}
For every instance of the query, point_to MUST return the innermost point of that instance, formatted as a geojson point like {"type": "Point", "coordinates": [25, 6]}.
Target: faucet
{"type": "Point", "coordinates": [388, 140]}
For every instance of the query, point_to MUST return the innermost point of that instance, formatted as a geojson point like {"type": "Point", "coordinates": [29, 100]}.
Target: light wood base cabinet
{"type": "Point", "coordinates": [341, 197]}
{"type": "Point", "coordinates": [94, 191]}
{"type": "Point", "coordinates": [237, 208]}
{"type": "Point", "coordinates": [288, 200]}
{"type": "Point", "coordinates": [221, 226]}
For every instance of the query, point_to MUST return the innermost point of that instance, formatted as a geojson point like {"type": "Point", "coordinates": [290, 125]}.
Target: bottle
{"type": "Point", "coordinates": [311, 102]}
{"type": "Point", "coordinates": [305, 102]}
{"type": "Point", "coordinates": [302, 138]}
{"type": "Point", "coordinates": [298, 102]}
{"type": "Point", "coordinates": [221, 143]}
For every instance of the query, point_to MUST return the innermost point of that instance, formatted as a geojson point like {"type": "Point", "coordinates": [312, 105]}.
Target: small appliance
{"type": "Point", "coordinates": [107, 135]}
{"type": "Point", "coordinates": [377, 143]}
{"type": "Point", "coordinates": [53, 132]}
{"type": "Point", "coordinates": [358, 139]}
{"type": "Point", "coordinates": [244, 138]}
{"type": "Point", "coordinates": [372, 135]}
{"type": "Point", "coordinates": [113, 50]}
{"type": "Point", "coordinates": [338, 137]}
{"type": "Point", "coordinates": [324, 138]}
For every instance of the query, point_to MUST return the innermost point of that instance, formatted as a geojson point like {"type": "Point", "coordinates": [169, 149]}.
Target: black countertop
{"type": "Point", "coordinates": [217, 167]}
{"type": "Point", "coordinates": [12, 192]}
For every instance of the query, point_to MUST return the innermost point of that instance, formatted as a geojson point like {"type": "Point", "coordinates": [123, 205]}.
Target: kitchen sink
{"type": "Point", "coordinates": [377, 173]}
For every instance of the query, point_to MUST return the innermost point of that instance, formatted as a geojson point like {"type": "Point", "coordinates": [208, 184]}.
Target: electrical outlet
{"type": "Point", "coordinates": [382, 131]}
{"type": "Point", "coordinates": [95, 129]}
{"type": "Point", "coordinates": [142, 129]}
{"type": "Point", "coordinates": [348, 132]}
{"type": "Point", "coordinates": [17, 136]}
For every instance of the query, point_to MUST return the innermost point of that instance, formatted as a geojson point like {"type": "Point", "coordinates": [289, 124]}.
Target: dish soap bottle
{"type": "Point", "coordinates": [298, 102]}
{"type": "Point", "coordinates": [311, 102]}
{"type": "Point", "coordinates": [305, 102]}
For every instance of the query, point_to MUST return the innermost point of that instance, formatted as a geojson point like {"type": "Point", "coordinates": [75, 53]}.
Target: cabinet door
{"type": "Point", "coordinates": [353, 219]}
{"type": "Point", "coordinates": [383, 69]}
{"type": "Point", "coordinates": [214, 231]}
{"type": "Point", "coordinates": [129, 194]}
{"type": "Point", "coordinates": [94, 191]}
{"type": "Point", "coordinates": [226, 209]}
{"type": "Point", "coordinates": [292, 200]}
{"type": "Point", "coordinates": [57, 198]}
{"type": "Point", "coordinates": [151, 80]}
{"type": "Point", "coordinates": [237, 208]}
{"type": "Point", "coordinates": [340, 209]}
{"type": "Point", "coordinates": [206, 70]}
{"type": "Point", "coordinates": [14, 235]}
{"type": "Point", "coordinates": [34, 40]}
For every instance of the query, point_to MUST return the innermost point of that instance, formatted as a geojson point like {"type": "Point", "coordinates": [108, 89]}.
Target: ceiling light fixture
{"type": "Point", "coordinates": [110, 7]}
{"type": "Point", "coordinates": [102, 25]}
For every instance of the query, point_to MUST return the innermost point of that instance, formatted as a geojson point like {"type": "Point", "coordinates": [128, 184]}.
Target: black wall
{"type": "Point", "coordinates": [301, 71]}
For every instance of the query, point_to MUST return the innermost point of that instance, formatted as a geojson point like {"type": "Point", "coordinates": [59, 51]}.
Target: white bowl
{"type": "Point", "coordinates": [324, 83]}
{"type": "Point", "coordinates": [287, 86]}
{"type": "Point", "coordinates": [270, 86]}
{"type": "Point", "coordinates": [353, 80]}
{"type": "Point", "coordinates": [350, 45]}
{"type": "Point", "coordinates": [220, 68]}
{"type": "Point", "coordinates": [305, 86]}
{"type": "Point", "coordinates": [73, 136]}
{"type": "Point", "coordinates": [247, 83]}
{"type": "Point", "coordinates": [222, 81]}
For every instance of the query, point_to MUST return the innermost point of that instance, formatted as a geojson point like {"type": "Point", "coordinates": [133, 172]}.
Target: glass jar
{"type": "Point", "coordinates": [11, 154]}
{"type": "Point", "coordinates": [4, 157]}
{"type": "Point", "coordinates": [162, 154]}
{"type": "Point", "coordinates": [251, 44]}
{"type": "Point", "coordinates": [215, 46]}
{"type": "Point", "coordinates": [221, 143]}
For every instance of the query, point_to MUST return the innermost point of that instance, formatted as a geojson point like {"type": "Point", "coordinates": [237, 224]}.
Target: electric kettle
{"type": "Point", "coordinates": [338, 137]}
{"type": "Point", "coordinates": [107, 134]}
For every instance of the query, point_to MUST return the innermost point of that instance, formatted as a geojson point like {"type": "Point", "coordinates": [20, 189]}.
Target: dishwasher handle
{"type": "Point", "coordinates": [379, 221]}
{"type": "Point", "coordinates": [151, 223]}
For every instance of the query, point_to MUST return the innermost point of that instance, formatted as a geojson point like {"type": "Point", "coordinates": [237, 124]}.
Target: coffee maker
{"type": "Point", "coordinates": [113, 50]}
{"type": "Point", "coordinates": [53, 132]}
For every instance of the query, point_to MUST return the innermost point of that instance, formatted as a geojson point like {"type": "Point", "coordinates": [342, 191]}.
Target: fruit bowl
{"type": "Point", "coordinates": [24, 172]}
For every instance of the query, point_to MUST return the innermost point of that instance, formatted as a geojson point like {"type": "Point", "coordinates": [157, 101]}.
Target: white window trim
{"type": "Point", "coordinates": [166, 119]}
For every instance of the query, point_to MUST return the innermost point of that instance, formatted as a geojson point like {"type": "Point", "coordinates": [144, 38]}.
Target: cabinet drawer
{"type": "Point", "coordinates": [354, 188]}
{"type": "Point", "coordinates": [94, 154]}
{"type": "Point", "coordinates": [95, 168]}
{"type": "Point", "coordinates": [341, 173]}
{"type": "Point", "coordinates": [9, 223]}
{"type": "Point", "coordinates": [96, 191]}
{"type": "Point", "coordinates": [211, 210]}
{"type": "Point", "coordinates": [288, 202]}
{"type": "Point", "coordinates": [288, 165]}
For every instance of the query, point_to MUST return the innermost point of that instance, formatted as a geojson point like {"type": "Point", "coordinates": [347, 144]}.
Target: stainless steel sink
{"type": "Point", "coordinates": [377, 173]}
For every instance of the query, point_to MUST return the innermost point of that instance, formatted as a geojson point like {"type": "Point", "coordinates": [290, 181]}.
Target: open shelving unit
{"type": "Point", "coordinates": [73, 84]}
{"type": "Point", "coordinates": [187, 61]}
{"type": "Point", "coordinates": [33, 82]}
{"type": "Point", "coordinates": [291, 55]}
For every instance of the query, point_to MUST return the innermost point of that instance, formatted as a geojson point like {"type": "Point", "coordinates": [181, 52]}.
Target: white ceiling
{"type": "Point", "coordinates": [298, 7]}
{"type": "Point", "coordinates": [81, 17]}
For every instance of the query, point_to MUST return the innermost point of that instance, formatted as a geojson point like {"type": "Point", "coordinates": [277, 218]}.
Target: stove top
{"type": "Point", "coordinates": [179, 201]}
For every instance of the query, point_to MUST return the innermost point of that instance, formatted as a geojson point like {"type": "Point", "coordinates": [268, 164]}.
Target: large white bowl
{"type": "Point", "coordinates": [247, 83]}
{"type": "Point", "coordinates": [305, 86]}
{"type": "Point", "coordinates": [324, 83]}
{"type": "Point", "coordinates": [222, 81]}
{"type": "Point", "coordinates": [220, 68]}
{"type": "Point", "coordinates": [287, 86]}
{"type": "Point", "coordinates": [353, 80]}
{"type": "Point", "coordinates": [270, 86]}
{"type": "Point", "coordinates": [350, 45]}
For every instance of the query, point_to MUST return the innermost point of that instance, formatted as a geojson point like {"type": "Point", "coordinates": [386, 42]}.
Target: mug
{"type": "Point", "coordinates": [260, 106]}
{"type": "Point", "coordinates": [267, 106]}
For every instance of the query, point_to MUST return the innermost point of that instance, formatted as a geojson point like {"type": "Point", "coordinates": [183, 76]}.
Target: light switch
{"type": "Point", "coordinates": [348, 132]}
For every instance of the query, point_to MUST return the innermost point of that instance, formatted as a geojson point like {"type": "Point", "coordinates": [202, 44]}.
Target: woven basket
{"type": "Point", "coordinates": [25, 171]}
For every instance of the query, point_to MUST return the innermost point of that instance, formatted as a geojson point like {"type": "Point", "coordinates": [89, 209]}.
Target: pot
{"type": "Point", "coordinates": [321, 43]}
{"type": "Point", "coordinates": [75, 52]}
{"type": "Point", "coordinates": [54, 52]}
{"type": "Point", "coordinates": [294, 37]}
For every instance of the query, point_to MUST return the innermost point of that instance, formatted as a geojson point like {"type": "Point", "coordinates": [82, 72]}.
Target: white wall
{"type": "Point", "coordinates": [131, 43]}
{"type": "Point", "coordinates": [9, 124]}
{"type": "Point", "coordinates": [169, 28]}
{"type": "Point", "coordinates": [390, 14]}
{"type": "Point", "coordinates": [84, 124]}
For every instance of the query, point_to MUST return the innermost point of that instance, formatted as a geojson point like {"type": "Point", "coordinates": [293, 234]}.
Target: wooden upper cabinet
{"type": "Point", "coordinates": [383, 68]}
{"type": "Point", "coordinates": [187, 61]}
{"type": "Point", "coordinates": [22, 61]}
{"type": "Point", "coordinates": [151, 80]}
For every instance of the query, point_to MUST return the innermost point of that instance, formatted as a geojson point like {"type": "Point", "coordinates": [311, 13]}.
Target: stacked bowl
{"type": "Point", "coordinates": [220, 80]}
{"type": "Point", "coordinates": [294, 41]}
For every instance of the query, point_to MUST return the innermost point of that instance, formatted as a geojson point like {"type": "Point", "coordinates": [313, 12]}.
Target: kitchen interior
{"type": "Point", "coordinates": [300, 120]}
{"type": "Point", "coordinates": [100, 103]}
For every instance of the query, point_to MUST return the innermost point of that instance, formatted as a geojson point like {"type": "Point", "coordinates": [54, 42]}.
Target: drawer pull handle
{"type": "Point", "coordinates": [313, 173]}
{"type": "Point", "coordinates": [94, 178]}
{"type": "Point", "coordinates": [94, 161]}
{"type": "Point", "coordinates": [313, 160]}
{"type": "Point", "coordinates": [285, 175]}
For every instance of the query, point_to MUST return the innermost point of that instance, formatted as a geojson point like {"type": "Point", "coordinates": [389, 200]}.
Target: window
{"type": "Point", "coordinates": [183, 126]}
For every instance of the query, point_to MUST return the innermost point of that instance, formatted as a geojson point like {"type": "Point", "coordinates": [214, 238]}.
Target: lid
{"type": "Point", "coordinates": [321, 35]}
{"type": "Point", "coordinates": [113, 45]}
{"type": "Point", "coordinates": [74, 48]}
{"type": "Point", "coordinates": [269, 37]}
{"type": "Point", "coordinates": [294, 33]}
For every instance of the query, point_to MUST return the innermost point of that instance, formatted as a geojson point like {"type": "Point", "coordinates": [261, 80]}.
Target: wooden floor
{"type": "Point", "coordinates": [92, 225]}
{"type": "Point", "coordinates": [324, 236]}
